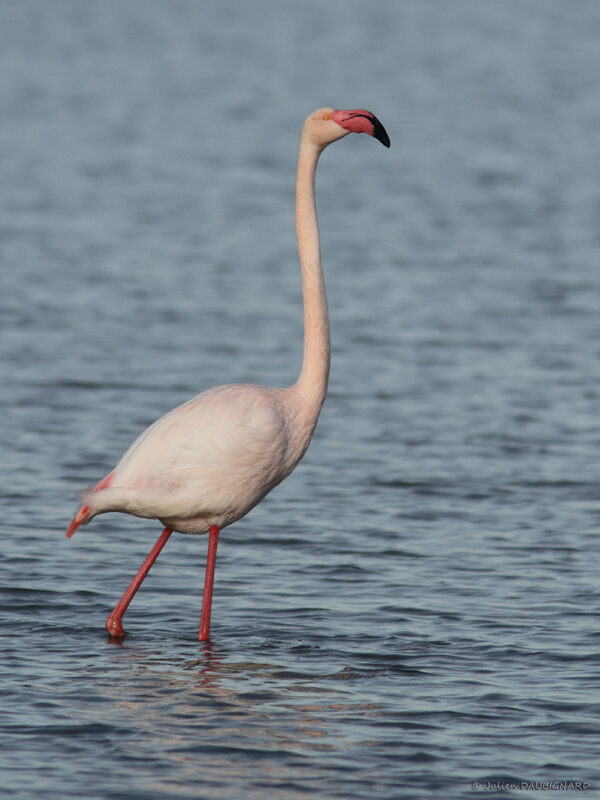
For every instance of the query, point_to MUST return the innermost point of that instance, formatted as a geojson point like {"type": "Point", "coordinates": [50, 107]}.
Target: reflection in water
{"type": "Point", "coordinates": [195, 714]}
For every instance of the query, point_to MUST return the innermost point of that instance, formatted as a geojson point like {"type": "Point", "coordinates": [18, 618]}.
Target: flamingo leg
{"type": "Point", "coordinates": [209, 577]}
{"type": "Point", "coordinates": [114, 622]}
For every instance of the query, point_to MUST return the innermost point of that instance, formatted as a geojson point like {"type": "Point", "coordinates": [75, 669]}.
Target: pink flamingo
{"type": "Point", "coordinates": [205, 464]}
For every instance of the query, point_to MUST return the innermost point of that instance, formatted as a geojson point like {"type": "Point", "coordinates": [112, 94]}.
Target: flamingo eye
{"type": "Point", "coordinates": [326, 116]}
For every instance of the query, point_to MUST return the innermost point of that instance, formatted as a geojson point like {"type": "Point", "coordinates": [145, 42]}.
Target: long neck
{"type": "Point", "coordinates": [312, 383]}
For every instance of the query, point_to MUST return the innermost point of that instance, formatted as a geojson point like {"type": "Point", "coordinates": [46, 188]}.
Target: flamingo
{"type": "Point", "coordinates": [206, 463]}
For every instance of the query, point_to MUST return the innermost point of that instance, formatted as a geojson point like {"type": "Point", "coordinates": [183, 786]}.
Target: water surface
{"type": "Point", "coordinates": [414, 609]}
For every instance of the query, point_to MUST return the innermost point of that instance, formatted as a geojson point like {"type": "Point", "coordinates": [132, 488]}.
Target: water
{"type": "Point", "coordinates": [414, 609]}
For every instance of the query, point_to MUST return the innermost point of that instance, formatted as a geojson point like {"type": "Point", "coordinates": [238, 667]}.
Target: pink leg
{"type": "Point", "coordinates": [213, 541]}
{"type": "Point", "coordinates": [113, 623]}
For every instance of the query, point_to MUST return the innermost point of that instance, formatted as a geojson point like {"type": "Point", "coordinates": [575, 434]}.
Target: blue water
{"type": "Point", "coordinates": [415, 608]}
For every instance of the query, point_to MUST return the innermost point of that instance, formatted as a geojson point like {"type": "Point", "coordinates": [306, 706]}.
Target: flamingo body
{"type": "Point", "coordinates": [209, 461]}
{"type": "Point", "coordinates": [205, 464]}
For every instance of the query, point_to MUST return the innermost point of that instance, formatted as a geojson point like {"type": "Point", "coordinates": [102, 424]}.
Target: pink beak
{"type": "Point", "coordinates": [361, 121]}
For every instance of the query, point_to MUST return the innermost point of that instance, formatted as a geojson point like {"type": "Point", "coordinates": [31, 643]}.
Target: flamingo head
{"type": "Point", "coordinates": [326, 125]}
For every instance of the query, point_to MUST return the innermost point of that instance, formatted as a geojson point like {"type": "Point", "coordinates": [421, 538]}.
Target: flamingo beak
{"type": "Point", "coordinates": [362, 121]}
{"type": "Point", "coordinates": [379, 132]}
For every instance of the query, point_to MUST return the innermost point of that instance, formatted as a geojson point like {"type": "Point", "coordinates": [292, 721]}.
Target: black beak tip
{"type": "Point", "coordinates": [379, 132]}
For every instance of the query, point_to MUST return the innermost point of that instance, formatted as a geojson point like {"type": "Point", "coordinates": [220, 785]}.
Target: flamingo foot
{"type": "Point", "coordinates": [114, 626]}
{"type": "Point", "coordinates": [209, 577]}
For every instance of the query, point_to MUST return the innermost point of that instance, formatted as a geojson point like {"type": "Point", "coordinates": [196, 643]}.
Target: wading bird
{"type": "Point", "coordinates": [205, 464]}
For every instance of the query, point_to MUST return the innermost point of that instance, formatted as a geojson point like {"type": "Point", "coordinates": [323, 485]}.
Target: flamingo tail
{"type": "Point", "coordinates": [85, 512]}
{"type": "Point", "coordinates": [80, 518]}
